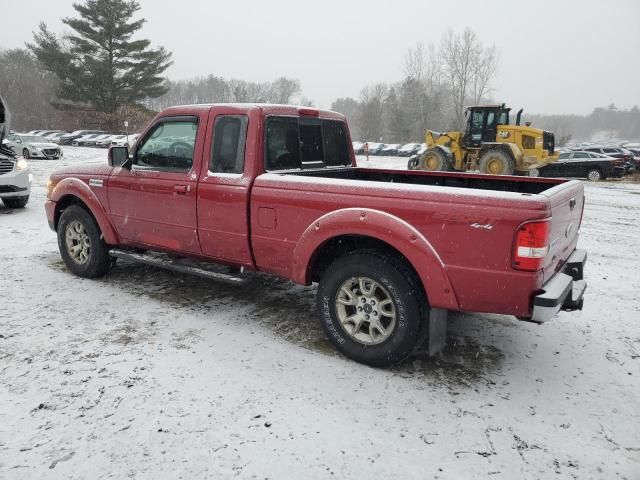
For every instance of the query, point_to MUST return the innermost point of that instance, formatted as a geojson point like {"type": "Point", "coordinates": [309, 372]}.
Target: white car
{"type": "Point", "coordinates": [33, 146]}
{"type": "Point", "coordinates": [15, 176]}
{"type": "Point", "coordinates": [106, 142]}
{"type": "Point", "coordinates": [127, 141]}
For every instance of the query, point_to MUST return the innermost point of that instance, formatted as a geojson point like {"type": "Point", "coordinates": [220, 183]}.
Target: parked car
{"type": "Point", "coordinates": [15, 176]}
{"type": "Point", "coordinates": [390, 149]}
{"type": "Point", "coordinates": [408, 149]}
{"type": "Point", "coordinates": [82, 141]}
{"type": "Point", "coordinates": [68, 138]}
{"type": "Point", "coordinates": [386, 276]}
{"type": "Point", "coordinates": [617, 152]}
{"type": "Point", "coordinates": [33, 146]}
{"type": "Point", "coordinates": [128, 140]}
{"type": "Point", "coordinates": [92, 142]}
{"type": "Point", "coordinates": [358, 148]}
{"type": "Point", "coordinates": [581, 164]}
{"type": "Point", "coordinates": [55, 137]}
{"type": "Point", "coordinates": [635, 157]}
{"type": "Point", "coordinates": [107, 142]}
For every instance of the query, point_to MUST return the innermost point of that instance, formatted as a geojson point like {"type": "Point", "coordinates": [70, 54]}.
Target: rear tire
{"type": "Point", "coordinates": [594, 175]}
{"type": "Point", "coordinates": [371, 308]}
{"type": "Point", "coordinates": [81, 246]}
{"type": "Point", "coordinates": [496, 162]}
{"type": "Point", "coordinates": [16, 202]}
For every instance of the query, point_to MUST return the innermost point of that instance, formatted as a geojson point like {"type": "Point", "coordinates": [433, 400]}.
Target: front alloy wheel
{"type": "Point", "coordinates": [81, 244]}
{"type": "Point", "coordinates": [77, 242]}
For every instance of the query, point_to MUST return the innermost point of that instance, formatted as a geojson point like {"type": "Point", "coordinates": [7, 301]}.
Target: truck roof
{"type": "Point", "coordinates": [266, 108]}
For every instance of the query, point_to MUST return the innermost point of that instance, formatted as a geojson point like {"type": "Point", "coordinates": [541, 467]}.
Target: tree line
{"type": "Point", "coordinates": [99, 74]}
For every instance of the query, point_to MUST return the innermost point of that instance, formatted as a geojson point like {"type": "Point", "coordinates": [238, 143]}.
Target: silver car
{"type": "Point", "coordinates": [33, 146]}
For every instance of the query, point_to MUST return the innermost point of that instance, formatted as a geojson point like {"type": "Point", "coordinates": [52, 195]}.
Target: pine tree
{"type": "Point", "coordinates": [101, 64]}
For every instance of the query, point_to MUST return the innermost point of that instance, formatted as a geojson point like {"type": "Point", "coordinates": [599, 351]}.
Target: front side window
{"type": "Point", "coordinates": [296, 143]}
{"type": "Point", "coordinates": [229, 137]}
{"type": "Point", "coordinates": [169, 146]}
{"type": "Point", "coordinates": [581, 155]}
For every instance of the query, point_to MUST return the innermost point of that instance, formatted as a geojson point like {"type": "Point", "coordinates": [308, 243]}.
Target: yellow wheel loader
{"type": "Point", "coordinates": [489, 144]}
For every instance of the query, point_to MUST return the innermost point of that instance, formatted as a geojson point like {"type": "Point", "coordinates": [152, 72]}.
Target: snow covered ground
{"type": "Point", "coordinates": [148, 374]}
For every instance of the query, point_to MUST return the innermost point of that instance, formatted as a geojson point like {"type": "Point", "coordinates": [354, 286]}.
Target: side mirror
{"type": "Point", "coordinates": [119, 157]}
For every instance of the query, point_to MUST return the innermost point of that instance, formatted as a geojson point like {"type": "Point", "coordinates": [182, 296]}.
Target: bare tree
{"type": "Point", "coordinates": [371, 118]}
{"type": "Point", "coordinates": [468, 68]}
{"type": "Point", "coordinates": [484, 68]}
{"type": "Point", "coordinates": [415, 61]}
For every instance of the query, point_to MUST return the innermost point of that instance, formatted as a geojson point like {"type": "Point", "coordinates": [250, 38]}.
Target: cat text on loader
{"type": "Point", "coordinates": [489, 144]}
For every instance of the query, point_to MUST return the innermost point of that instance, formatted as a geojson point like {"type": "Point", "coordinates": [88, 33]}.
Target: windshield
{"type": "Point", "coordinates": [34, 139]}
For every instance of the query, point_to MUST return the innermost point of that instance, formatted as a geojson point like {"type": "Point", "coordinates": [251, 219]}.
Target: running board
{"type": "Point", "coordinates": [178, 265]}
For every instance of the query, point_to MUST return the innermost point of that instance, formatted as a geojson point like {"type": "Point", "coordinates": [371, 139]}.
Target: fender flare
{"type": "Point", "coordinates": [79, 189]}
{"type": "Point", "coordinates": [384, 227]}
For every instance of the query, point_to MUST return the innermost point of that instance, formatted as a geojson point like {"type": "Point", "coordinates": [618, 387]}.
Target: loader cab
{"type": "Point", "coordinates": [482, 124]}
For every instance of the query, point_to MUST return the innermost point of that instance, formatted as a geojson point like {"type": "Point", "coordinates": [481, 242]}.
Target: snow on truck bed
{"type": "Point", "coordinates": [149, 374]}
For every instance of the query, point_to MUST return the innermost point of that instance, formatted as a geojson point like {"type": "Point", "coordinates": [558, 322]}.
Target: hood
{"type": "Point", "coordinates": [97, 170]}
{"type": "Point", "coordinates": [42, 145]}
{"type": "Point", "coordinates": [5, 119]}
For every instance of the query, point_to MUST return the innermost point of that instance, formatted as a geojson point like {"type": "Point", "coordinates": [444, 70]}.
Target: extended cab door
{"type": "Point", "coordinates": [154, 203]}
{"type": "Point", "coordinates": [224, 188]}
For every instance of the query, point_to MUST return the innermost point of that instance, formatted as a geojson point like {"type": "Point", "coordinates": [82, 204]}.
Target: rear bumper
{"type": "Point", "coordinates": [564, 291]}
{"type": "Point", "coordinates": [618, 171]}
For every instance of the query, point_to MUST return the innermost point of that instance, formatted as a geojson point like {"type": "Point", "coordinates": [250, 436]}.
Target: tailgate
{"type": "Point", "coordinates": [567, 203]}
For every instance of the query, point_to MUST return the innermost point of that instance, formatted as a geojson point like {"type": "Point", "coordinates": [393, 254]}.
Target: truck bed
{"type": "Point", "coordinates": [469, 219]}
{"type": "Point", "coordinates": [502, 183]}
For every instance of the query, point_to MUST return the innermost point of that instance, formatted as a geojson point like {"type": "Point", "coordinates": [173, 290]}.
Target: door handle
{"type": "Point", "coordinates": [180, 189]}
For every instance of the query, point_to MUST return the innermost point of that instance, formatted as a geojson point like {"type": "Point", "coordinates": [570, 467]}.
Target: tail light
{"type": "Point", "coordinates": [531, 245]}
{"type": "Point", "coordinates": [618, 162]}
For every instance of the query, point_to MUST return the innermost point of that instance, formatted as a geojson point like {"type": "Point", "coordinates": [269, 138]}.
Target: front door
{"type": "Point", "coordinates": [475, 128]}
{"type": "Point", "coordinates": [154, 203]}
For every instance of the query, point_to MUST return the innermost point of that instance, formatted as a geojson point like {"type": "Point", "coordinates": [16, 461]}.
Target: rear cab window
{"type": "Point", "coordinates": [229, 138]}
{"type": "Point", "coordinates": [294, 143]}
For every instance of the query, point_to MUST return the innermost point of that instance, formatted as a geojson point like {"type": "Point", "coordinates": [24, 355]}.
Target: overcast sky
{"type": "Point", "coordinates": [557, 56]}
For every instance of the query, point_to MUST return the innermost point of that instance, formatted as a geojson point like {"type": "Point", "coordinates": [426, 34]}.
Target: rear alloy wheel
{"type": "Point", "coordinates": [496, 162]}
{"type": "Point", "coordinates": [594, 175]}
{"type": "Point", "coordinates": [80, 243]}
{"type": "Point", "coordinates": [25, 153]}
{"type": "Point", "coordinates": [371, 308]}
{"type": "Point", "coordinates": [534, 172]}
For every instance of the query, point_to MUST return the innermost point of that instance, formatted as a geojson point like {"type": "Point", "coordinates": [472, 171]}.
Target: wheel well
{"type": "Point", "coordinates": [65, 202]}
{"type": "Point", "coordinates": [344, 244]}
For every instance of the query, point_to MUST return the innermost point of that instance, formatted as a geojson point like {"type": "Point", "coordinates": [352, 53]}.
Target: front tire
{"type": "Point", "coordinates": [435, 160]}
{"type": "Point", "coordinates": [496, 162]}
{"type": "Point", "coordinates": [371, 307]}
{"type": "Point", "coordinates": [81, 246]}
{"type": "Point", "coordinates": [25, 153]}
{"type": "Point", "coordinates": [16, 202]}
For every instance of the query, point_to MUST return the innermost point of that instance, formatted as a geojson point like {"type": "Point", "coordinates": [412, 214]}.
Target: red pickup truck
{"type": "Point", "coordinates": [276, 189]}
